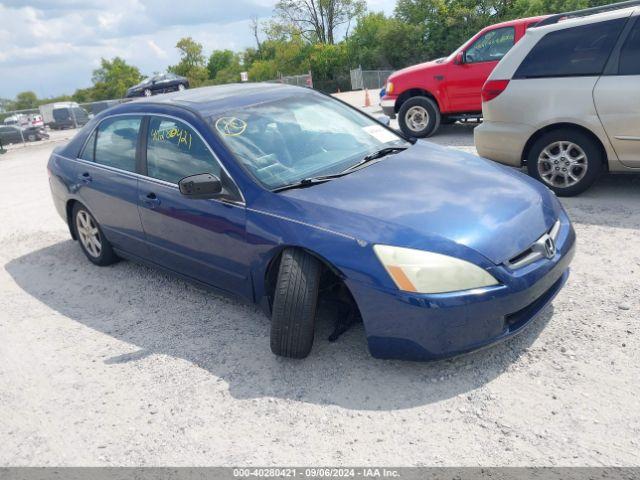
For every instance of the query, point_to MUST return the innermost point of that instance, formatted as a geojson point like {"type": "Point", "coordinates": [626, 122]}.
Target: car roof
{"type": "Point", "coordinates": [588, 19]}
{"type": "Point", "coordinates": [208, 101]}
{"type": "Point", "coordinates": [517, 21]}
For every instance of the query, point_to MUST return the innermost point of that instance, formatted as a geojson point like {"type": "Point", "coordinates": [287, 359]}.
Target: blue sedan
{"type": "Point", "coordinates": [284, 196]}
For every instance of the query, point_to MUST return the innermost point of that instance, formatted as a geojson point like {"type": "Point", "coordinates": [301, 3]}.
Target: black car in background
{"type": "Point", "coordinates": [162, 83]}
{"type": "Point", "coordinates": [15, 134]}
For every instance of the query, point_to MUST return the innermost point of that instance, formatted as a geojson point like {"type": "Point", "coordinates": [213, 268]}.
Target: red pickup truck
{"type": "Point", "coordinates": [448, 89]}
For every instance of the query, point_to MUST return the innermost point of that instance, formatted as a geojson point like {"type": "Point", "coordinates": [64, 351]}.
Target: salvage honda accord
{"type": "Point", "coordinates": [285, 196]}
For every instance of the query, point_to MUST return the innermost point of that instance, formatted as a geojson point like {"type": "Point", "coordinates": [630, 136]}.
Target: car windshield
{"type": "Point", "coordinates": [286, 141]}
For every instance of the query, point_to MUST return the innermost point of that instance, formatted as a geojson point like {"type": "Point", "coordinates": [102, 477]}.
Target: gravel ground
{"type": "Point", "coordinates": [127, 366]}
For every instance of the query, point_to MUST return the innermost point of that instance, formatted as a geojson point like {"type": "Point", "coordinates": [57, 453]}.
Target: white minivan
{"type": "Point", "coordinates": [565, 101]}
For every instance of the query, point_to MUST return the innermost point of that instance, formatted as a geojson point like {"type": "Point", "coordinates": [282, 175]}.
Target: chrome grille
{"type": "Point", "coordinates": [544, 247]}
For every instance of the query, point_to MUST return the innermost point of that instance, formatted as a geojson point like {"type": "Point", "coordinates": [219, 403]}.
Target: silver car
{"type": "Point", "coordinates": [565, 101]}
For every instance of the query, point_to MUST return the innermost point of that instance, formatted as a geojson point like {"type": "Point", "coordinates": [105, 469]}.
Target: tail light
{"type": "Point", "coordinates": [493, 88]}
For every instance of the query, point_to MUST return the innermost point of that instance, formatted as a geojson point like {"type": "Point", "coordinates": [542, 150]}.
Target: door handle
{"type": "Point", "coordinates": [86, 177]}
{"type": "Point", "coordinates": [151, 200]}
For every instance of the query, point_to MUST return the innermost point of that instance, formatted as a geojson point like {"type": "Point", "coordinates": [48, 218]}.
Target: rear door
{"type": "Point", "coordinates": [202, 239]}
{"type": "Point", "coordinates": [107, 182]}
{"type": "Point", "coordinates": [617, 98]}
{"type": "Point", "coordinates": [465, 81]}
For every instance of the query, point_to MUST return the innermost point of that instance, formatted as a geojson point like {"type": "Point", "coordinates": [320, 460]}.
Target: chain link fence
{"type": "Point", "coordinates": [369, 79]}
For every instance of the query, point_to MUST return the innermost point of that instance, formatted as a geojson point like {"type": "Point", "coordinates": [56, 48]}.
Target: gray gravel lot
{"type": "Point", "coordinates": [127, 366]}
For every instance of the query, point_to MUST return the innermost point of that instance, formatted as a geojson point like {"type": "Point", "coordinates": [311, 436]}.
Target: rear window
{"type": "Point", "coordinates": [61, 114]}
{"type": "Point", "coordinates": [116, 143]}
{"type": "Point", "coordinates": [572, 52]}
{"type": "Point", "coordinates": [630, 53]}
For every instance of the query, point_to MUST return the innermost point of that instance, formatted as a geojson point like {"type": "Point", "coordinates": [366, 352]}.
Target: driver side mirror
{"type": "Point", "coordinates": [459, 60]}
{"type": "Point", "coordinates": [202, 186]}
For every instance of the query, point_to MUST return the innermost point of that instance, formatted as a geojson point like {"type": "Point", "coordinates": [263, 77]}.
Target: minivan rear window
{"type": "Point", "coordinates": [572, 52]}
{"type": "Point", "coordinates": [630, 53]}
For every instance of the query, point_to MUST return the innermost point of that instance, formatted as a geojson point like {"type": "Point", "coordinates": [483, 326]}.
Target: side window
{"type": "Point", "coordinates": [577, 51]}
{"type": "Point", "coordinates": [175, 151]}
{"type": "Point", "coordinates": [630, 53]}
{"type": "Point", "coordinates": [116, 142]}
{"type": "Point", "coordinates": [491, 46]}
{"type": "Point", "coordinates": [89, 148]}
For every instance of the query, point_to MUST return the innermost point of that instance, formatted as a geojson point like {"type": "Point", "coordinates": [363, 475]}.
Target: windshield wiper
{"type": "Point", "coordinates": [305, 182]}
{"type": "Point", "coordinates": [375, 156]}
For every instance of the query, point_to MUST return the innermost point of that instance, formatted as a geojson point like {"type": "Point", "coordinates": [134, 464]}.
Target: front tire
{"type": "Point", "coordinates": [295, 304]}
{"type": "Point", "coordinates": [181, 87]}
{"type": "Point", "coordinates": [147, 92]}
{"type": "Point", "coordinates": [565, 160]}
{"type": "Point", "coordinates": [419, 117]}
{"type": "Point", "coordinates": [94, 244]}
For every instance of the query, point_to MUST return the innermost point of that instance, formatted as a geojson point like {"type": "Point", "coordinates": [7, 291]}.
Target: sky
{"type": "Point", "coordinates": [52, 46]}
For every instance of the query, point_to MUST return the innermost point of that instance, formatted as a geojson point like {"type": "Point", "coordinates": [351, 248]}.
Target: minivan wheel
{"type": "Point", "coordinates": [419, 117]}
{"type": "Point", "coordinates": [92, 241]}
{"type": "Point", "coordinates": [147, 92]}
{"type": "Point", "coordinates": [294, 304]}
{"type": "Point", "coordinates": [567, 161]}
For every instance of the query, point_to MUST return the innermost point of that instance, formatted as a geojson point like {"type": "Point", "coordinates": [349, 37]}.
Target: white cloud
{"type": "Point", "coordinates": [52, 46]}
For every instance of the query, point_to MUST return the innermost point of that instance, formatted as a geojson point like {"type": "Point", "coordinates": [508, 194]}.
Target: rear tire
{"type": "Point", "coordinates": [294, 304]}
{"type": "Point", "coordinates": [565, 160]}
{"type": "Point", "coordinates": [92, 241]}
{"type": "Point", "coordinates": [146, 92]}
{"type": "Point", "coordinates": [419, 117]}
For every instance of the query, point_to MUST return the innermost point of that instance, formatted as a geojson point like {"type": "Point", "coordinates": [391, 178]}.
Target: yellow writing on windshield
{"type": "Point", "coordinates": [174, 134]}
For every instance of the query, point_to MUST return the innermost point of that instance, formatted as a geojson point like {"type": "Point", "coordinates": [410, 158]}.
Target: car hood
{"type": "Point", "coordinates": [432, 197]}
{"type": "Point", "coordinates": [433, 64]}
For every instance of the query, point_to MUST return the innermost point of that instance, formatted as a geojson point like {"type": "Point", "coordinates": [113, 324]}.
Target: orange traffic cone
{"type": "Point", "coordinates": [367, 99]}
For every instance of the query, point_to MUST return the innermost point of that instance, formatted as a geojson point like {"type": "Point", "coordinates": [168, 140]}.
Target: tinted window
{"type": "Point", "coordinates": [491, 46]}
{"type": "Point", "coordinates": [89, 147]}
{"type": "Point", "coordinates": [175, 151]}
{"type": "Point", "coordinates": [116, 142]}
{"type": "Point", "coordinates": [61, 114]}
{"type": "Point", "coordinates": [577, 51]}
{"type": "Point", "coordinates": [630, 53]}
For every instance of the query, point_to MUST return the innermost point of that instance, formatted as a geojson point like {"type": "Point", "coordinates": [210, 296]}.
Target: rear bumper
{"type": "Point", "coordinates": [502, 142]}
{"type": "Point", "coordinates": [407, 326]}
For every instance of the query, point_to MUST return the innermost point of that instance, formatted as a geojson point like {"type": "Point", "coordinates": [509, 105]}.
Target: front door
{"type": "Point", "coordinates": [202, 239]}
{"type": "Point", "coordinates": [464, 81]}
{"type": "Point", "coordinates": [617, 99]}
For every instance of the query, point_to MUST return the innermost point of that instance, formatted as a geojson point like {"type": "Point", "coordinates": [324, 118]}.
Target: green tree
{"type": "Point", "coordinates": [192, 62]}
{"type": "Point", "coordinates": [111, 80]}
{"type": "Point", "coordinates": [219, 60]}
{"type": "Point", "coordinates": [25, 100]}
{"type": "Point", "coordinates": [318, 20]}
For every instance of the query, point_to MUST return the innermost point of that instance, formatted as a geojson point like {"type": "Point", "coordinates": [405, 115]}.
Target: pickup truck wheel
{"type": "Point", "coordinates": [294, 304]}
{"type": "Point", "coordinates": [565, 160]}
{"type": "Point", "coordinates": [92, 241]}
{"type": "Point", "coordinates": [419, 117]}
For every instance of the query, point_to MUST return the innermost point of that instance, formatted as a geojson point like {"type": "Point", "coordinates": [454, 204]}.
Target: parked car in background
{"type": "Point", "coordinates": [161, 83]}
{"type": "Point", "coordinates": [448, 89]}
{"type": "Point", "coordinates": [61, 115]}
{"type": "Point", "coordinates": [19, 119]}
{"type": "Point", "coordinates": [281, 194]}
{"type": "Point", "coordinates": [565, 102]}
{"type": "Point", "coordinates": [15, 134]}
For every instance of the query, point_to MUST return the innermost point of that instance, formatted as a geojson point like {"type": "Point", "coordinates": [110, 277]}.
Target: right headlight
{"type": "Point", "coordinates": [420, 271]}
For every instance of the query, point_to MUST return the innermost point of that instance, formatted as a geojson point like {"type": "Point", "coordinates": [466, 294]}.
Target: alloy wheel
{"type": "Point", "coordinates": [88, 233]}
{"type": "Point", "coordinates": [181, 87]}
{"type": "Point", "coordinates": [417, 118]}
{"type": "Point", "coordinates": [147, 92]}
{"type": "Point", "coordinates": [562, 164]}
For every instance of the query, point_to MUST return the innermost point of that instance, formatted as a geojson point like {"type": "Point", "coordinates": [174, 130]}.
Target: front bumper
{"type": "Point", "coordinates": [388, 105]}
{"type": "Point", "coordinates": [502, 142]}
{"type": "Point", "coordinates": [410, 326]}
